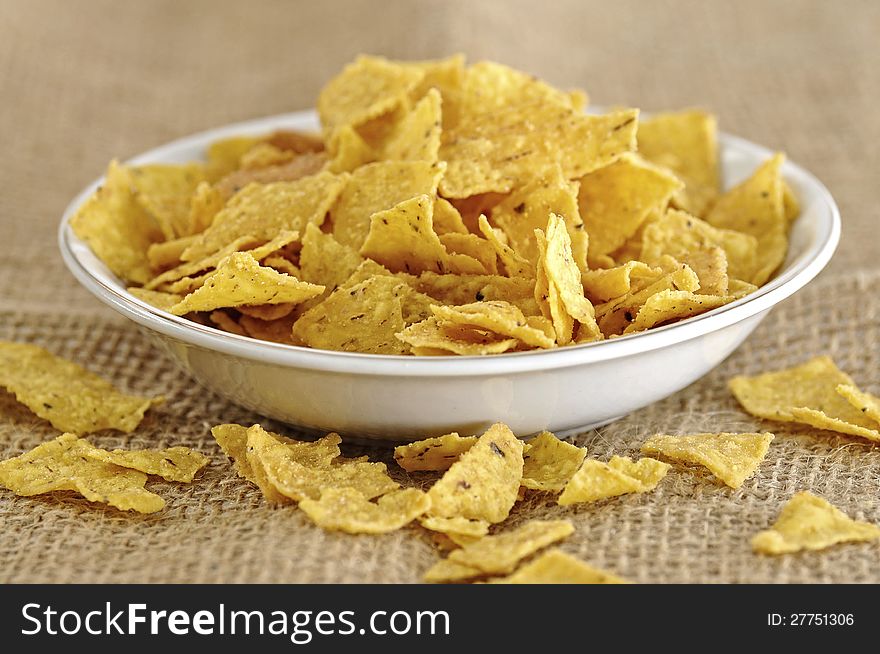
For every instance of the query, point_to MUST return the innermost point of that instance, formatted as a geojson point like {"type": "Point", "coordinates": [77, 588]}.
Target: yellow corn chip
{"type": "Point", "coordinates": [500, 553]}
{"type": "Point", "coordinates": [460, 530]}
{"type": "Point", "coordinates": [505, 148]}
{"type": "Point", "coordinates": [433, 453]}
{"type": "Point", "coordinates": [602, 285]}
{"type": "Point", "coordinates": [158, 299]}
{"type": "Point", "coordinates": [117, 228]}
{"type": "Point", "coordinates": [348, 151]}
{"type": "Point", "coordinates": [808, 522]}
{"type": "Point", "coordinates": [434, 337]}
{"type": "Point", "coordinates": [647, 470]}
{"type": "Point", "coordinates": [615, 200]}
{"type": "Point", "coordinates": [464, 289]}
{"type": "Point", "coordinates": [496, 316]}
{"type": "Point", "coordinates": [378, 187]}
{"type": "Point", "coordinates": [224, 156]}
{"type": "Point", "coordinates": [68, 396]}
{"type": "Point", "coordinates": [365, 89]}
{"type": "Point", "coordinates": [301, 166]}
{"type": "Point", "coordinates": [514, 264]}
{"type": "Point", "coordinates": [550, 463]}
{"type": "Point", "coordinates": [165, 190]}
{"type": "Point", "coordinates": [483, 483]}
{"type": "Point", "coordinates": [325, 261]}
{"type": "Point", "coordinates": [227, 323]}
{"type": "Point", "coordinates": [596, 480]}
{"type": "Point", "coordinates": [285, 473]}
{"type": "Point", "coordinates": [166, 254]}
{"type": "Point", "coordinates": [732, 458]}
{"type": "Point", "coordinates": [679, 234]}
{"type": "Point", "coordinates": [60, 465]}
{"type": "Point", "coordinates": [557, 567]}
{"type": "Point", "coordinates": [261, 211]}
{"type": "Point", "coordinates": [361, 318]}
{"type": "Point", "coordinates": [264, 155]}
{"type": "Point", "coordinates": [266, 311]}
{"type": "Point", "coordinates": [172, 464]}
{"type": "Point", "coordinates": [668, 306]}
{"type": "Point", "coordinates": [240, 280]}
{"type": "Point", "coordinates": [529, 207]}
{"type": "Point", "coordinates": [806, 393]}
{"type": "Point", "coordinates": [345, 509]}
{"type": "Point", "coordinates": [474, 247]}
{"type": "Point", "coordinates": [686, 143]}
{"type": "Point", "coordinates": [864, 402]}
{"type": "Point", "coordinates": [449, 571]}
{"type": "Point", "coordinates": [417, 136]}
{"type": "Point", "coordinates": [790, 203]}
{"type": "Point", "coordinates": [206, 203]}
{"type": "Point", "coordinates": [277, 331]}
{"type": "Point", "coordinates": [756, 207]}
{"type": "Point", "coordinates": [447, 220]}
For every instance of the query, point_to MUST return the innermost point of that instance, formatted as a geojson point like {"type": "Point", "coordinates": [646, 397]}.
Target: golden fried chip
{"type": "Point", "coordinates": [158, 299]}
{"type": "Point", "coordinates": [233, 441]}
{"type": "Point", "coordinates": [732, 458]}
{"type": "Point", "coordinates": [403, 240]}
{"type": "Point", "coordinates": [267, 312]}
{"type": "Point", "coordinates": [514, 264]}
{"type": "Point", "coordinates": [325, 261]}
{"type": "Point", "coordinates": [596, 480]}
{"type": "Point", "coordinates": [668, 306]}
{"type": "Point", "coordinates": [264, 155]}
{"type": "Point", "coordinates": [166, 254]}
{"type": "Point", "coordinates": [464, 289]}
{"type": "Point", "coordinates": [360, 318]}
{"type": "Point", "coordinates": [483, 483]}
{"type": "Point", "coordinates": [447, 219]}
{"type": "Point", "coordinates": [345, 509]}
{"type": "Point", "coordinates": [117, 228]}
{"type": "Point", "coordinates": [165, 191]}
{"type": "Point", "coordinates": [348, 151]}
{"type": "Point", "coordinates": [864, 402]}
{"type": "Point", "coordinates": [365, 89]}
{"type": "Point", "coordinates": [602, 285]}
{"type": "Point", "coordinates": [68, 396]}
{"type": "Point", "coordinates": [756, 207]}
{"type": "Point", "coordinates": [277, 331]}
{"type": "Point", "coordinates": [448, 571]}
{"type": "Point", "coordinates": [227, 323]}
{"type": "Point", "coordinates": [172, 464]}
{"type": "Point", "coordinates": [686, 142]}
{"type": "Point", "coordinates": [496, 316]}
{"type": "Point", "coordinates": [529, 207]}
{"type": "Point", "coordinates": [615, 200]}
{"type": "Point", "coordinates": [261, 211]}
{"type": "Point", "coordinates": [808, 522]}
{"type": "Point", "coordinates": [505, 148]}
{"type": "Point", "coordinates": [473, 246]}
{"type": "Point", "coordinates": [679, 234]}
{"type": "Point", "coordinates": [240, 280]}
{"type": "Point", "coordinates": [433, 453]}
{"type": "Point", "coordinates": [435, 337]}
{"type": "Point", "coordinates": [500, 553]}
{"type": "Point", "coordinates": [790, 203]}
{"type": "Point", "coordinates": [417, 136]}
{"type": "Point", "coordinates": [806, 393]}
{"type": "Point", "coordinates": [557, 567]}
{"type": "Point", "coordinates": [378, 187]}
{"type": "Point", "coordinates": [224, 156]}
{"type": "Point", "coordinates": [61, 465]}
{"type": "Point", "coordinates": [647, 470]}
{"type": "Point", "coordinates": [550, 463]}
{"type": "Point", "coordinates": [287, 473]}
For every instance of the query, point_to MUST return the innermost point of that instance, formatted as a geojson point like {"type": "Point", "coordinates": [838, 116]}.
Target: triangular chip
{"type": "Point", "coordinates": [808, 522]}
{"type": "Point", "coordinates": [345, 509]}
{"type": "Point", "coordinates": [604, 284]}
{"type": "Point", "coordinates": [457, 528]}
{"type": "Point", "coordinates": [436, 453]}
{"type": "Point", "coordinates": [550, 463]}
{"type": "Point", "coordinates": [615, 200]}
{"type": "Point", "coordinates": [60, 465]}
{"type": "Point", "coordinates": [158, 299]}
{"type": "Point", "coordinates": [806, 393]}
{"type": "Point", "coordinates": [473, 246]}
{"type": "Point", "coordinates": [864, 402]}
{"type": "Point", "coordinates": [514, 264]}
{"type": "Point", "coordinates": [172, 464]}
{"type": "Point", "coordinates": [668, 306]}
{"type": "Point", "coordinates": [117, 228]}
{"type": "Point", "coordinates": [557, 567]}
{"type": "Point", "coordinates": [165, 191]}
{"type": "Point", "coordinates": [348, 151]}
{"type": "Point", "coordinates": [496, 316]}
{"type": "Point", "coordinates": [240, 280]}
{"type": "Point", "coordinates": [647, 470]}
{"type": "Point", "coordinates": [732, 458]}
{"type": "Point", "coordinates": [325, 261]}
{"type": "Point", "coordinates": [686, 142]}
{"type": "Point", "coordinates": [377, 187]}
{"type": "Point", "coordinates": [596, 480]}
{"type": "Point", "coordinates": [756, 207]}
{"type": "Point", "coordinates": [435, 337]}
{"type": "Point", "coordinates": [447, 219]}
{"type": "Point", "coordinates": [67, 395]}
{"type": "Point", "coordinates": [417, 136]}
{"type": "Point", "coordinates": [483, 483]}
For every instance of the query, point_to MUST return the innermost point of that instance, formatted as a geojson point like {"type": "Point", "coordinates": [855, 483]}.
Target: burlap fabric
{"type": "Point", "coordinates": [83, 82]}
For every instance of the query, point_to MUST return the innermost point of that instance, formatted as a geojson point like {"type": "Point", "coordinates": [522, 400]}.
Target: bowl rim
{"type": "Point", "coordinates": [789, 281]}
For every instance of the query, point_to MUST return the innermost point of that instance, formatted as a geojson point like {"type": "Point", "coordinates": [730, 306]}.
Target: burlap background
{"type": "Point", "coordinates": [81, 82]}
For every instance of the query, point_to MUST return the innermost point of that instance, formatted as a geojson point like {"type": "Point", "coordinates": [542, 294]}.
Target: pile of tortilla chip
{"type": "Point", "coordinates": [445, 209]}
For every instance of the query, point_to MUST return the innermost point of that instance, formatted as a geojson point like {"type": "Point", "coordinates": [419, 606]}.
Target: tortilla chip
{"type": "Point", "coordinates": [117, 228]}
{"type": "Point", "coordinates": [647, 470]}
{"type": "Point", "coordinates": [435, 337]}
{"type": "Point", "coordinates": [378, 187]}
{"type": "Point", "coordinates": [686, 142]}
{"type": "Point", "coordinates": [496, 316]}
{"type": "Point", "coordinates": [483, 483]}
{"type": "Point", "coordinates": [756, 207]}
{"type": "Point", "coordinates": [596, 480]}
{"type": "Point", "coordinates": [808, 522]}
{"type": "Point", "coordinates": [348, 151]}
{"type": "Point", "coordinates": [433, 453]}
{"type": "Point", "coordinates": [67, 395]}
{"type": "Point", "coordinates": [669, 306]}
{"type": "Point", "coordinates": [732, 458]}
{"type": "Point", "coordinates": [864, 402]}
{"type": "Point", "coordinates": [476, 248]}
{"type": "Point", "coordinates": [265, 155]}
{"type": "Point", "coordinates": [550, 463]}
{"type": "Point", "coordinates": [224, 156]}
{"type": "Point", "coordinates": [417, 136]}
{"type": "Point", "coordinates": [325, 261]}
{"type": "Point", "coordinates": [806, 393]}
{"type": "Point", "coordinates": [602, 285]}
{"type": "Point", "coordinates": [158, 299]}
{"type": "Point", "coordinates": [179, 464]}
{"type": "Point", "coordinates": [165, 192]}
{"type": "Point", "coordinates": [514, 265]}
{"type": "Point", "coordinates": [557, 567]}
{"type": "Point", "coordinates": [447, 219]}
{"type": "Point", "coordinates": [615, 200]}
{"type": "Point", "coordinates": [166, 254]}
{"type": "Point", "coordinates": [345, 509]}
{"type": "Point", "coordinates": [60, 465]}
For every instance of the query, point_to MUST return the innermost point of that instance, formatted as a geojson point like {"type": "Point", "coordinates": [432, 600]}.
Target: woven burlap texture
{"type": "Point", "coordinates": [86, 81]}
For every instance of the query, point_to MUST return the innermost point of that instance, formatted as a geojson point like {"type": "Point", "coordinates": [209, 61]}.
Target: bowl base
{"type": "Point", "coordinates": [574, 431]}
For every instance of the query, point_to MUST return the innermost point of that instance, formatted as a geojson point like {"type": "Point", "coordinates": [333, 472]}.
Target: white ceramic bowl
{"type": "Point", "coordinates": [406, 398]}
